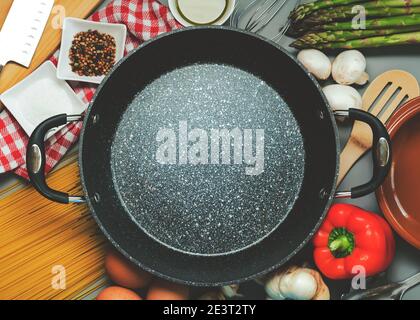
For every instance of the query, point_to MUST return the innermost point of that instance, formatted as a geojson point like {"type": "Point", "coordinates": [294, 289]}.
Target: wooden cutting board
{"type": "Point", "coordinates": [13, 73]}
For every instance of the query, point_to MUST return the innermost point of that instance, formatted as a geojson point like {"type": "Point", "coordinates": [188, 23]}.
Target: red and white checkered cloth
{"type": "Point", "coordinates": [144, 19]}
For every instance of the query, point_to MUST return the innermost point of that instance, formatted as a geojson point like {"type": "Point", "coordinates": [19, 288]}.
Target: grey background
{"type": "Point", "coordinates": [407, 259]}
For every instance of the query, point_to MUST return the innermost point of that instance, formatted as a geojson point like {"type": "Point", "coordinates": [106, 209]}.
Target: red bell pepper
{"type": "Point", "coordinates": [349, 237]}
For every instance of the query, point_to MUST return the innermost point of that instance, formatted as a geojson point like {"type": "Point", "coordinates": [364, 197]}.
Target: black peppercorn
{"type": "Point", "coordinates": [92, 53]}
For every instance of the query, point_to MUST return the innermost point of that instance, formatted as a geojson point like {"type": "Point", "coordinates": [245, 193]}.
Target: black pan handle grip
{"type": "Point", "coordinates": [381, 151]}
{"type": "Point", "coordinates": [36, 159]}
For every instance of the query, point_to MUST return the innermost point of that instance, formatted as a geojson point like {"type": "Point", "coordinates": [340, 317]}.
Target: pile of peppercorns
{"type": "Point", "coordinates": [92, 53]}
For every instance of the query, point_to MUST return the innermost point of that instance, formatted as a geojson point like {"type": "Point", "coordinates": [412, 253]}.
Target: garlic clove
{"type": "Point", "coordinates": [348, 67]}
{"type": "Point", "coordinates": [322, 292]}
{"type": "Point", "coordinates": [299, 285]}
{"type": "Point", "coordinates": [231, 291]}
{"type": "Point", "coordinates": [315, 62]}
{"type": "Point", "coordinates": [272, 287]}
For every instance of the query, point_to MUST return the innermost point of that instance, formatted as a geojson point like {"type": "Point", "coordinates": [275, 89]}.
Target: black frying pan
{"type": "Point", "coordinates": [208, 223]}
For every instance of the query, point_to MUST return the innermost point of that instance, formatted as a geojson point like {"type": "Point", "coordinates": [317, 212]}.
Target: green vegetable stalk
{"type": "Point", "coordinates": [303, 10]}
{"type": "Point", "coordinates": [313, 39]}
{"type": "Point", "coordinates": [345, 13]}
{"type": "Point", "coordinates": [327, 24]}
{"type": "Point", "coordinates": [379, 23]}
{"type": "Point", "coordinates": [371, 42]}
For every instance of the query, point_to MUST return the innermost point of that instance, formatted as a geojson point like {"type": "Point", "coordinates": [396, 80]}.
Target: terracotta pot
{"type": "Point", "coordinates": [399, 196]}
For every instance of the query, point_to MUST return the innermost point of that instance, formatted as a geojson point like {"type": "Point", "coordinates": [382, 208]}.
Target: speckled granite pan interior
{"type": "Point", "coordinates": [209, 207]}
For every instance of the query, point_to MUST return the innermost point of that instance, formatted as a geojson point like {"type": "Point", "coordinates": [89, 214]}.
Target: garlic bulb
{"type": "Point", "coordinates": [349, 67]}
{"type": "Point", "coordinates": [297, 284]}
{"type": "Point", "coordinates": [342, 97]}
{"type": "Point", "coordinates": [316, 62]}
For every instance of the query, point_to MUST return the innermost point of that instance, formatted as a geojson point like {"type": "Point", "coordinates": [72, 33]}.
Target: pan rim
{"type": "Point", "coordinates": [329, 197]}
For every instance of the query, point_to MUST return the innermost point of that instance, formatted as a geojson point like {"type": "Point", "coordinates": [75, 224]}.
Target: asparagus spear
{"type": "Point", "coordinates": [345, 13]}
{"type": "Point", "coordinates": [372, 42]}
{"type": "Point", "coordinates": [379, 23]}
{"type": "Point", "coordinates": [301, 11]}
{"type": "Point", "coordinates": [370, 24]}
{"type": "Point", "coordinates": [313, 39]}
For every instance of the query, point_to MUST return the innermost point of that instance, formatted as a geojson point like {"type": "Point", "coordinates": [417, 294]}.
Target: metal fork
{"type": "Point", "coordinates": [392, 291]}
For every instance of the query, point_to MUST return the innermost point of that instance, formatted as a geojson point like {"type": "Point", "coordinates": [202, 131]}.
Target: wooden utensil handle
{"type": "Point", "coordinates": [349, 156]}
{"type": "Point", "coordinates": [382, 153]}
{"type": "Point", "coordinates": [355, 148]}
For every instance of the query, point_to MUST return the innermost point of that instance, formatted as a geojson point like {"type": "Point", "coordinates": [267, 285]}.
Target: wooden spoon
{"type": "Point", "coordinates": [383, 96]}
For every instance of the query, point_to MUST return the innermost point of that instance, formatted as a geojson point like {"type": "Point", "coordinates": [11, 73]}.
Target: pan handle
{"type": "Point", "coordinates": [36, 159]}
{"type": "Point", "coordinates": [382, 153]}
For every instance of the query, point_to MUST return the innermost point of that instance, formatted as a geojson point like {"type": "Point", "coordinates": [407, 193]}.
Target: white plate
{"type": "Point", "coordinates": [39, 97]}
{"type": "Point", "coordinates": [71, 27]}
{"type": "Point", "coordinates": [173, 6]}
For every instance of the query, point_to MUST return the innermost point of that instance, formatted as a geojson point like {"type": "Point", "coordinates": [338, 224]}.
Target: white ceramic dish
{"type": "Point", "coordinates": [182, 19]}
{"type": "Point", "coordinates": [71, 27]}
{"type": "Point", "coordinates": [40, 96]}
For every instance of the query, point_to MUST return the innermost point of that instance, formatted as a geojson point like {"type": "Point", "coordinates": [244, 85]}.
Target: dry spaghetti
{"type": "Point", "coordinates": [37, 235]}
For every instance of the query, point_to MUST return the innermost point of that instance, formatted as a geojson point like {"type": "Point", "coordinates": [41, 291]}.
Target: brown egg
{"type": "Point", "coordinates": [117, 293]}
{"type": "Point", "coordinates": [164, 290]}
{"type": "Point", "coordinates": [124, 273]}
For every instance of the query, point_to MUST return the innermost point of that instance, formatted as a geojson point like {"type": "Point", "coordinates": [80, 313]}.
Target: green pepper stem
{"type": "Point", "coordinates": [341, 242]}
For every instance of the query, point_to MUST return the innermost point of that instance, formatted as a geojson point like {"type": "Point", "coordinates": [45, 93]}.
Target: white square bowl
{"type": "Point", "coordinates": [41, 96]}
{"type": "Point", "coordinates": [71, 27]}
